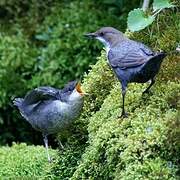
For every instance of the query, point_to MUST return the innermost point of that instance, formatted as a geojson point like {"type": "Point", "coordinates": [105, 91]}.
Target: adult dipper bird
{"type": "Point", "coordinates": [130, 60]}
{"type": "Point", "coordinates": [50, 110]}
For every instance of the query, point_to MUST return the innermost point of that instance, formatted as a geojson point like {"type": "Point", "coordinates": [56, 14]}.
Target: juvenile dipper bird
{"type": "Point", "coordinates": [130, 60]}
{"type": "Point", "coordinates": [50, 110]}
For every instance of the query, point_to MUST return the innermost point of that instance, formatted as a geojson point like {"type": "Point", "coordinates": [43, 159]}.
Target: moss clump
{"type": "Point", "coordinates": [97, 83]}
{"type": "Point", "coordinates": [164, 35]}
{"type": "Point", "coordinates": [98, 86]}
{"type": "Point", "coordinates": [117, 146]}
{"type": "Point", "coordinates": [145, 145]}
{"type": "Point", "coordinates": [26, 162]}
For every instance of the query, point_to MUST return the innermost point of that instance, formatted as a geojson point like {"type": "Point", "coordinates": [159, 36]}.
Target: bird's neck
{"type": "Point", "coordinates": [105, 43]}
{"type": "Point", "coordinates": [75, 97]}
{"type": "Point", "coordinates": [113, 43]}
{"type": "Point", "coordinates": [117, 41]}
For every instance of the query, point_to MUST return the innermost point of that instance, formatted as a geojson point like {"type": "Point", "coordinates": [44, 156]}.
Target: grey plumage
{"type": "Point", "coordinates": [130, 60]}
{"type": "Point", "coordinates": [50, 110]}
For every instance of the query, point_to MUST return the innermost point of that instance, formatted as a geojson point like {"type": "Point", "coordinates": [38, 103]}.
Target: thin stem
{"type": "Point", "coordinates": [157, 12]}
{"type": "Point", "coordinates": [145, 5]}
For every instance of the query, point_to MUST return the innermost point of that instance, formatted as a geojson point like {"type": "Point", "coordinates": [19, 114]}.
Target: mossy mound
{"type": "Point", "coordinates": [26, 162]}
{"type": "Point", "coordinates": [137, 147]}
{"type": "Point", "coordinates": [145, 145]}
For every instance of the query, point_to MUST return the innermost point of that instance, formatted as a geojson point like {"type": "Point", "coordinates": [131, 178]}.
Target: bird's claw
{"type": "Point", "coordinates": [124, 115]}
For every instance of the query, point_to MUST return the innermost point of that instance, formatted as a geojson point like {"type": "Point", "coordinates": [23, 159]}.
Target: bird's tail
{"type": "Point", "coordinates": [160, 56]}
{"type": "Point", "coordinates": [152, 66]}
{"type": "Point", "coordinates": [154, 63]}
{"type": "Point", "coordinates": [18, 101]}
{"type": "Point", "coordinates": [157, 59]}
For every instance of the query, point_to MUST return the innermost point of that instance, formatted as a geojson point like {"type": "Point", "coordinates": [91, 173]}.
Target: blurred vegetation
{"type": "Point", "coordinates": [42, 43]}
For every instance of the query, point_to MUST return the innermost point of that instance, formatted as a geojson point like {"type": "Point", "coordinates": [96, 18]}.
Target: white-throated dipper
{"type": "Point", "coordinates": [50, 110]}
{"type": "Point", "coordinates": [130, 60]}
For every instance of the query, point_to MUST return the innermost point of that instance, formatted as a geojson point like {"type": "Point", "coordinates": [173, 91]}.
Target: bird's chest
{"type": "Point", "coordinates": [60, 115]}
{"type": "Point", "coordinates": [59, 111]}
{"type": "Point", "coordinates": [52, 117]}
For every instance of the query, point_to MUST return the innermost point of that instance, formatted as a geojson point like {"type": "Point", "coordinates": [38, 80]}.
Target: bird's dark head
{"type": "Point", "coordinates": [107, 35]}
{"type": "Point", "coordinates": [73, 91]}
{"type": "Point", "coordinates": [73, 86]}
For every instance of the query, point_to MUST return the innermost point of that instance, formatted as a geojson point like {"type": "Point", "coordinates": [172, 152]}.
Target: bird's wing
{"type": "Point", "coordinates": [130, 54]}
{"type": "Point", "coordinates": [41, 94]}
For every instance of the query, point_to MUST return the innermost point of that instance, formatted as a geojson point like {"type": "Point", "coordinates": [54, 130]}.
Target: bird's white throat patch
{"type": "Point", "coordinates": [106, 44]}
{"type": "Point", "coordinates": [74, 96]}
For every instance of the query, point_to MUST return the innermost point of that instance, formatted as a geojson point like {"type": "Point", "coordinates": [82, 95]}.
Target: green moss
{"type": "Point", "coordinates": [97, 85]}
{"type": "Point", "coordinates": [25, 162]}
{"type": "Point", "coordinates": [143, 146]}
{"type": "Point", "coordinates": [117, 145]}
{"type": "Point", "coordinates": [164, 35]}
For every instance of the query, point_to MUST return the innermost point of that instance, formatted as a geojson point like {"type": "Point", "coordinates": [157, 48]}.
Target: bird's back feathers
{"type": "Point", "coordinates": [69, 87]}
{"type": "Point", "coordinates": [40, 94]}
{"type": "Point", "coordinates": [48, 93]}
{"type": "Point", "coordinates": [129, 54]}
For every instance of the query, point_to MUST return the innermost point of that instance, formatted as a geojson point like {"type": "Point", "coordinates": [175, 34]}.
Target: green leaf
{"type": "Point", "coordinates": [138, 20]}
{"type": "Point", "coordinates": [161, 4]}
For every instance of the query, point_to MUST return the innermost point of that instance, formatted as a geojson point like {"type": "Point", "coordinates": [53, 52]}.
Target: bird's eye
{"type": "Point", "coordinates": [102, 34]}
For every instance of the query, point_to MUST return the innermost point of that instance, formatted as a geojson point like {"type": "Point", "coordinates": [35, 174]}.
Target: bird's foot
{"type": "Point", "coordinates": [123, 115]}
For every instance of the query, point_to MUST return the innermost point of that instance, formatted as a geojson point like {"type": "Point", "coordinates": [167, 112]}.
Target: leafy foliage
{"type": "Point", "coordinates": [161, 4]}
{"type": "Point", "coordinates": [138, 19]}
{"type": "Point", "coordinates": [17, 62]}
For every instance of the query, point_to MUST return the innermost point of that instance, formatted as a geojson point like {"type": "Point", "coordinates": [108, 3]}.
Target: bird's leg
{"type": "Point", "coordinates": [46, 145]}
{"type": "Point", "coordinates": [147, 90]}
{"type": "Point", "coordinates": [123, 114]}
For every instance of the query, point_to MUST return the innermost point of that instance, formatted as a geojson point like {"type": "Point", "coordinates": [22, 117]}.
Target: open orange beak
{"type": "Point", "coordinates": [79, 90]}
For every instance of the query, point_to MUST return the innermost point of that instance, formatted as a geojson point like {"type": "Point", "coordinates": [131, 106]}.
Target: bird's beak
{"type": "Point", "coordinates": [79, 89]}
{"type": "Point", "coordinates": [90, 35]}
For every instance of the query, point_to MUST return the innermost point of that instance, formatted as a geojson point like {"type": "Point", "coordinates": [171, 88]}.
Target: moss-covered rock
{"type": "Point", "coordinates": [145, 145]}
{"type": "Point", "coordinates": [131, 147]}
